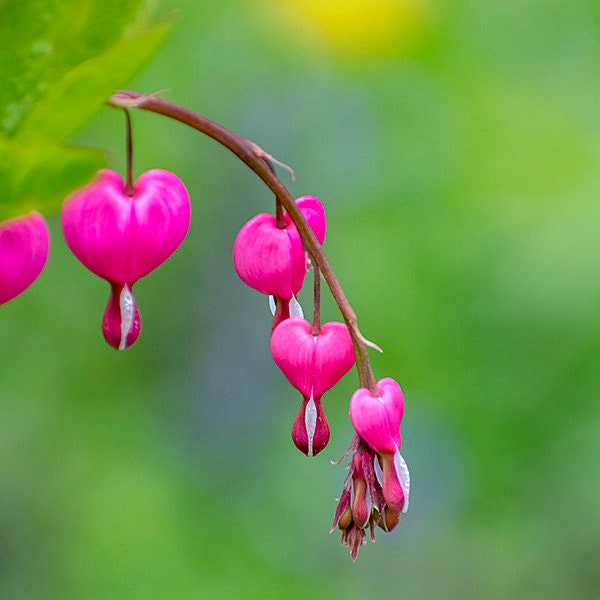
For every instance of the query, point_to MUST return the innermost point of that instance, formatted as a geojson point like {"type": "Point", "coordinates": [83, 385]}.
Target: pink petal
{"type": "Point", "coordinates": [160, 221]}
{"type": "Point", "coordinates": [377, 419]}
{"type": "Point", "coordinates": [293, 349]}
{"type": "Point", "coordinates": [23, 253]}
{"type": "Point", "coordinates": [312, 364]}
{"type": "Point", "coordinates": [334, 356]}
{"type": "Point", "coordinates": [96, 225]}
{"type": "Point", "coordinates": [268, 259]}
{"type": "Point", "coordinates": [393, 399]}
{"type": "Point", "coordinates": [314, 213]}
{"type": "Point", "coordinates": [391, 486]}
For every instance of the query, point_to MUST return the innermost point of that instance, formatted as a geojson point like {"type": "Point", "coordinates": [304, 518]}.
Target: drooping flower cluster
{"type": "Point", "coordinates": [123, 231]}
{"type": "Point", "coordinates": [269, 256]}
{"type": "Point", "coordinates": [377, 488]}
{"type": "Point", "coordinates": [23, 253]}
{"type": "Point", "coordinates": [121, 237]}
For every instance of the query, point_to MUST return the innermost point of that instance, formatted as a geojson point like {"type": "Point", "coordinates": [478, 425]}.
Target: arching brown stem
{"type": "Point", "coordinates": [258, 161]}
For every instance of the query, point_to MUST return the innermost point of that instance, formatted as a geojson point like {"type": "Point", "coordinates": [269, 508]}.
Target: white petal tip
{"type": "Point", "coordinates": [310, 422]}
{"type": "Point", "coordinates": [127, 308]}
{"type": "Point", "coordinates": [296, 311]}
{"type": "Point", "coordinates": [403, 477]}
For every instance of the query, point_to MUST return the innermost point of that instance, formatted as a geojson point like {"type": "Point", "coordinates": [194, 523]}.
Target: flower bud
{"type": "Point", "coordinates": [23, 253]}
{"type": "Point", "coordinates": [361, 504]}
{"type": "Point", "coordinates": [345, 519]}
{"type": "Point", "coordinates": [389, 519]}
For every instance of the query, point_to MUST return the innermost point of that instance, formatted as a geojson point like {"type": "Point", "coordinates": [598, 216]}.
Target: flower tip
{"type": "Point", "coordinates": [121, 322]}
{"type": "Point", "coordinates": [389, 519]}
{"type": "Point", "coordinates": [310, 431]}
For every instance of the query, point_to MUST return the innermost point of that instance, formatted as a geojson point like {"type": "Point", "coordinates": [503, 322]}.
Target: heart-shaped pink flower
{"type": "Point", "coordinates": [23, 253]}
{"type": "Point", "coordinates": [271, 259]}
{"type": "Point", "coordinates": [313, 364]}
{"type": "Point", "coordinates": [377, 419]}
{"type": "Point", "coordinates": [122, 238]}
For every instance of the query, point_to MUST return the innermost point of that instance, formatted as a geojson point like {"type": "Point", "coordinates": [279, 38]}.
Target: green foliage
{"type": "Point", "coordinates": [59, 61]}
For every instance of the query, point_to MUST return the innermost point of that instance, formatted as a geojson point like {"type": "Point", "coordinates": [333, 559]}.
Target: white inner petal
{"type": "Point", "coordinates": [295, 309]}
{"type": "Point", "coordinates": [403, 477]}
{"type": "Point", "coordinates": [127, 308]}
{"type": "Point", "coordinates": [272, 305]}
{"type": "Point", "coordinates": [310, 422]}
{"type": "Point", "coordinates": [378, 471]}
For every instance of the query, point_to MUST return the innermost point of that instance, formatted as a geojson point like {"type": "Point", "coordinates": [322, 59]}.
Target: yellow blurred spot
{"type": "Point", "coordinates": [356, 26]}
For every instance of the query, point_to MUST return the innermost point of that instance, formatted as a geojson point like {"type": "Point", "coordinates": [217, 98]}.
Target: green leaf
{"type": "Point", "coordinates": [80, 94]}
{"type": "Point", "coordinates": [42, 40]}
{"type": "Point", "coordinates": [59, 63]}
{"type": "Point", "coordinates": [38, 175]}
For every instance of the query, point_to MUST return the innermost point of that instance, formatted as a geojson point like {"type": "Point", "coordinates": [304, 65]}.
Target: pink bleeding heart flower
{"type": "Point", "coordinates": [377, 421]}
{"type": "Point", "coordinates": [122, 238]}
{"type": "Point", "coordinates": [377, 418]}
{"type": "Point", "coordinates": [23, 253]}
{"type": "Point", "coordinates": [313, 363]}
{"type": "Point", "coordinates": [271, 259]}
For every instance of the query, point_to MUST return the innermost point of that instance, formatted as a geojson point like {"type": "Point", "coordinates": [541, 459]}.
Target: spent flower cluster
{"type": "Point", "coordinates": [121, 231]}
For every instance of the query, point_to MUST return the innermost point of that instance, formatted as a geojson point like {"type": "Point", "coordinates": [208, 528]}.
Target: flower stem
{"type": "Point", "coordinates": [278, 206]}
{"type": "Point", "coordinates": [258, 160]}
{"type": "Point", "coordinates": [316, 325]}
{"type": "Point", "coordinates": [129, 187]}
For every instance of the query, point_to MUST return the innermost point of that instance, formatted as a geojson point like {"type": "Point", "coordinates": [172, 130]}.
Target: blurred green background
{"type": "Point", "coordinates": [455, 145]}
